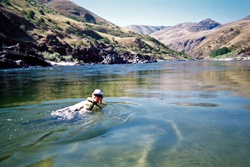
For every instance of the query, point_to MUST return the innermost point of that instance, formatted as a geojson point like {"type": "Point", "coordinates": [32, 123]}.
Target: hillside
{"type": "Point", "coordinates": [59, 30]}
{"type": "Point", "coordinates": [145, 29]}
{"type": "Point", "coordinates": [177, 37]}
{"type": "Point", "coordinates": [207, 39]}
{"type": "Point", "coordinates": [234, 37]}
{"type": "Point", "coordinates": [72, 10]}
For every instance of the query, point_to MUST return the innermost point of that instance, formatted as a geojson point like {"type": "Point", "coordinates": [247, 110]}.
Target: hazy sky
{"type": "Point", "coordinates": [166, 12]}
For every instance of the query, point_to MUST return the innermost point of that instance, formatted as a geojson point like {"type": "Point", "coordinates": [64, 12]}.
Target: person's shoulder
{"type": "Point", "coordinates": [89, 99]}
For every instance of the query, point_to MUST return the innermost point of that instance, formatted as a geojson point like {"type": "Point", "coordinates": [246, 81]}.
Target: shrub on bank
{"type": "Point", "coordinates": [52, 56]}
{"type": "Point", "coordinates": [220, 51]}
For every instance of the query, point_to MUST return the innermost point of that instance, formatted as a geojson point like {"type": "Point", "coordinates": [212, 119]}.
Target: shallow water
{"type": "Point", "coordinates": [160, 114]}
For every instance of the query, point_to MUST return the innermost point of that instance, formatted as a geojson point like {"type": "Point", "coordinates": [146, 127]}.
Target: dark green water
{"type": "Point", "coordinates": [162, 114]}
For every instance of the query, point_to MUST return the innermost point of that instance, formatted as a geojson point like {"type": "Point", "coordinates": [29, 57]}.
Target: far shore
{"type": "Point", "coordinates": [232, 59]}
{"type": "Point", "coordinates": [63, 63]}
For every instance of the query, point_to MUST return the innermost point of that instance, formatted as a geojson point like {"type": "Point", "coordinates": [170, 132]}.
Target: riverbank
{"type": "Point", "coordinates": [18, 56]}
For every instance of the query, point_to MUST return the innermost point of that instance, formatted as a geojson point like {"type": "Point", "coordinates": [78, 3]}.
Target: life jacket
{"type": "Point", "coordinates": [90, 105]}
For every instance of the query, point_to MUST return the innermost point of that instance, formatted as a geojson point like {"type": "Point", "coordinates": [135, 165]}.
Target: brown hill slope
{"type": "Point", "coordinates": [235, 36]}
{"type": "Point", "coordinates": [177, 37]}
{"type": "Point", "coordinates": [199, 42]}
{"type": "Point", "coordinates": [72, 10]}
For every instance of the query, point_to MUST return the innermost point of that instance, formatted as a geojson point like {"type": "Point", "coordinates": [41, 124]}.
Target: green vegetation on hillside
{"type": "Point", "coordinates": [220, 51]}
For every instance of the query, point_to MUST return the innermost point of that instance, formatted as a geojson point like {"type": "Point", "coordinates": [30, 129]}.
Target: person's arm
{"type": "Point", "coordinates": [94, 105]}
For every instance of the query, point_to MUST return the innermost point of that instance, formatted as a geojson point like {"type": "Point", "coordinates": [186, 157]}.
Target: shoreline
{"type": "Point", "coordinates": [71, 64]}
{"type": "Point", "coordinates": [237, 58]}
{"type": "Point", "coordinates": [62, 63]}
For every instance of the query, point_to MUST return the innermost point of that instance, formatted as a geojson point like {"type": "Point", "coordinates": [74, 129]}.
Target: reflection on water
{"type": "Point", "coordinates": [162, 114]}
{"type": "Point", "coordinates": [36, 85]}
{"type": "Point", "coordinates": [197, 104]}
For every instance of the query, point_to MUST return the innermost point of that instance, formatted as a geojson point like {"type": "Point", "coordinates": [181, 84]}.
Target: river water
{"type": "Point", "coordinates": [160, 114]}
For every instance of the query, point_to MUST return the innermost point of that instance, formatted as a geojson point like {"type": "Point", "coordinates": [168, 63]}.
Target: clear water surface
{"type": "Point", "coordinates": [162, 114]}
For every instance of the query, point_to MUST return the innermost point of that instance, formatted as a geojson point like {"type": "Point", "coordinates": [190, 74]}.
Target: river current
{"type": "Point", "coordinates": [161, 114]}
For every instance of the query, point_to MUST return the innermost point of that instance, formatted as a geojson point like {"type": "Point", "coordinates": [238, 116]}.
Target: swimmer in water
{"type": "Point", "coordinates": [91, 104]}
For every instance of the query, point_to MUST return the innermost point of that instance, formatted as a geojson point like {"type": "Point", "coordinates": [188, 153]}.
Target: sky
{"type": "Point", "coordinates": [166, 12]}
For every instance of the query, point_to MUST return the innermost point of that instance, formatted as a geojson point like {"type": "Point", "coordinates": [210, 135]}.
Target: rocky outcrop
{"type": "Point", "coordinates": [20, 56]}
{"type": "Point", "coordinates": [127, 58]}
{"type": "Point", "coordinates": [28, 54]}
{"type": "Point", "coordinates": [113, 59]}
{"type": "Point", "coordinates": [106, 54]}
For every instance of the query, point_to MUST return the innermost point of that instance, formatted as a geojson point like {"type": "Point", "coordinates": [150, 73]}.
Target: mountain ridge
{"type": "Point", "coordinates": [173, 36]}
{"type": "Point", "coordinates": [234, 36]}
{"type": "Point", "coordinates": [200, 40]}
{"type": "Point", "coordinates": [145, 29]}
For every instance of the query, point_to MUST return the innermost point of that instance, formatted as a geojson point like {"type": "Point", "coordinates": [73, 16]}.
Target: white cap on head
{"type": "Point", "coordinates": [98, 92]}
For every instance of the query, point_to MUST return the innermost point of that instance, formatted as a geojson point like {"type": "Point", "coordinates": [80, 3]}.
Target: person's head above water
{"type": "Point", "coordinates": [97, 95]}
